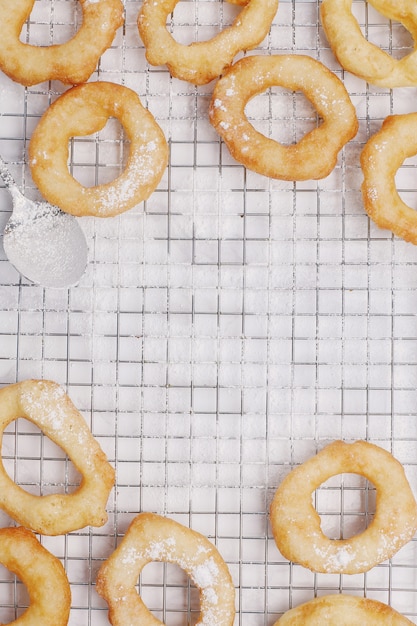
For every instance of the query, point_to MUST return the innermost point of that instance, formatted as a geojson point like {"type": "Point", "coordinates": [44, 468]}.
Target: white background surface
{"type": "Point", "coordinates": [225, 330]}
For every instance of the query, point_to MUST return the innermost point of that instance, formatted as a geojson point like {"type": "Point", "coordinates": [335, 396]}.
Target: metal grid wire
{"type": "Point", "coordinates": [223, 332]}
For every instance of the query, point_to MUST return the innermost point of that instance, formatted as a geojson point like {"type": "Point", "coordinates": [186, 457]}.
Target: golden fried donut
{"type": "Point", "coordinates": [71, 62]}
{"type": "Point", "coordinates": [45, 404]}
{"type": "Point", "coordinates": [296, 523]}
{"type": "Point", "coordinates": [83, 110]}
{"type": "Point", "coordinates": [381, 157]}
{"type": "Point", "coordinates": [315, 155]}
{"type": "Point", "coordinates": [42, 574]}
{"type": "Point", "coordinates": [361, 57]}
{"type": "Point", "coordinates": [202, 61]}
{"type": "Point", "coordinates": [149, 538]}
{"type": "Point", "coordinates": [342, 610]}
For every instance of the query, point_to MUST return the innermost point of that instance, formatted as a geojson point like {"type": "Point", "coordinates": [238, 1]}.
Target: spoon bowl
{"type": "Point", "coordinates": [44, 244]}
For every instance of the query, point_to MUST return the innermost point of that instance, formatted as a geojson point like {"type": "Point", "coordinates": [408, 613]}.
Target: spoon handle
{"type": "Point", "coordinates": [19, 201]}
{"type": "Point", "coordinates": [6, 176]}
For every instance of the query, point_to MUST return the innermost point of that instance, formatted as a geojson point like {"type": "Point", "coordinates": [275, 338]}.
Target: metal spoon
{"type": "Point", "coordinates": [43, 243]}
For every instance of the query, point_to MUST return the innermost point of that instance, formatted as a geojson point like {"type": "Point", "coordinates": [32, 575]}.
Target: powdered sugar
{"type": "Point", "coordinates": [49, 405]}
{"type": "Point", "coordinates": [334, 560]}
{"type": "Point", "coordinates": [198, 562]}
{"type": "Point", "coordinates": [131, 184]}
{"type": "Point", "coordinates": [372, 193]}
{"type": "Point", "coordinates": [218, 104]}
{"type": "Point", "coordinates": [48, 408]}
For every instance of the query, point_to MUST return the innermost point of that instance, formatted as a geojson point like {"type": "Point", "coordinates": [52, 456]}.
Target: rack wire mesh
{"type": "Point", "coordinates": [223, 332]}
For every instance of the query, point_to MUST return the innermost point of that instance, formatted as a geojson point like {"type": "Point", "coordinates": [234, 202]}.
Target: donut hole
{"type": "Point", "coordinates": [346, 505]}
{"type": "Point", "coordinates": [52, 23]}
{"type": "Point", "coordinates": [283, 115]}
{"type": "Point", "coordinates": [405, 182]}
{"type": "Point", "coordinates": [14, 596]}
{"type": "Point", "coordinates": [101, 157]}
{"type": "Point", "coordinates": [390, 36]}
{"type": "Point", "coordinates": [200, 21]}
{"type": "Point", "coordinates": [169, 594]}
{"type": "Point", "coordinates": [36, 463]}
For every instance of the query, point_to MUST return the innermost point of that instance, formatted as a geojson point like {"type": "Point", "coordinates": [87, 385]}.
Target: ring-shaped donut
{"type": "Point", "coordinates": [296, 523]}
{"type": "Point", "coordinates": [45, 404]}
{"type": "Point", "coordinates": [84, 110]}
{"type": "Point", "coordinates": [255, 74]}
{"type": "Point", "coordinates": [151, 537]}
{"type": "Point", "coordinates": [42, 574]}
{"type": "Point", "coordinates": [363, 58]}
{"type": "Point", "coordinates": [72, 62]}
{"type": "Point", "coordinates": [202, 61]}
{"type": "Point", "coordinates": [342, 610]}
{"type": "Point", "coordinates": [381, 157]}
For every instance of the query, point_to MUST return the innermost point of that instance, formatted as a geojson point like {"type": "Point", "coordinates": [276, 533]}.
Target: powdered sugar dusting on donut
{"type": "Point", "coordinates": [334, 560]}
{"type": "Point", "coordinates": [142, 167]}
{"type": "Point", "coordinates": [161, 550]}
{"type": "Point", "coordinates": [218, 104]}
{"type": "Point", "coordinates": [205, 574]}
{"type": "Point", "coordinates": [112, 195]}
{"type": "Point", "coordinates": [380, 146]}
{"type": "Point", "coordinates": [337, 557]}
{"type": "Point", "coordinates": [48, 408]}
{"type": "Point", "coordinates": [130, 556]}
{"type": "Point", "coordinates": [48, 403]}
{"type": "Point", "coordinates": [372, 193]}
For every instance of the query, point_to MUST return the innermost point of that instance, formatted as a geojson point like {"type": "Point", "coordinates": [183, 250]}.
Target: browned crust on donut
{"type": "Point", "coordinates": [342, 610]}
{"type": "Point", "coordinates": [296, 524]}
{"type": "Point", "coordinates": [42, 574]}
{"type": "Point", "coordinates": [151, 537]}
{"type": "Point", "coordinates": [46, 405]}
{"type": "Point", "coordinates": [83, 110]}
{"type": "Point", "coordinates": [380, 159]}
{"type": "Point", "coordinates": [361, 57]}
{"type": "Point", "coordinates": [200, 62]}
{"type": "Point", "coordinates": [72, 62]}
{"type": "Point", "coordinates": [316, 154]}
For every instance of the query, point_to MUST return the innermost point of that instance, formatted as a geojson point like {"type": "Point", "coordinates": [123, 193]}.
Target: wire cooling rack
{"type": "Point", "coordinates": [224, 331]}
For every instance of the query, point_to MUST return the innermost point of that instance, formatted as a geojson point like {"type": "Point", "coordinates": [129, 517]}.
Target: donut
{"type": "Point", "coordinates": [45, 404]}
{"type": "Point", "coordinates": [72, 62]}
{"type": "Point", "coordinates": [201, 62]}
{"type": "Point", "coordinates": [362, 58]}
{"type": "Point", "coordinates": [83, 110]}
{"type": "Point", "coordinates": [42, 574]}
{"type": "Point", "coordinates": [342, 610]}
{"type": "Point", "coordinates": [151, 537]}
{"type": "Point", "coordinates": [253, 75]}
{"type": "Point", "coordinates": [296, 523]}
{"type": "Point", "coordinates": [380, 159]}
